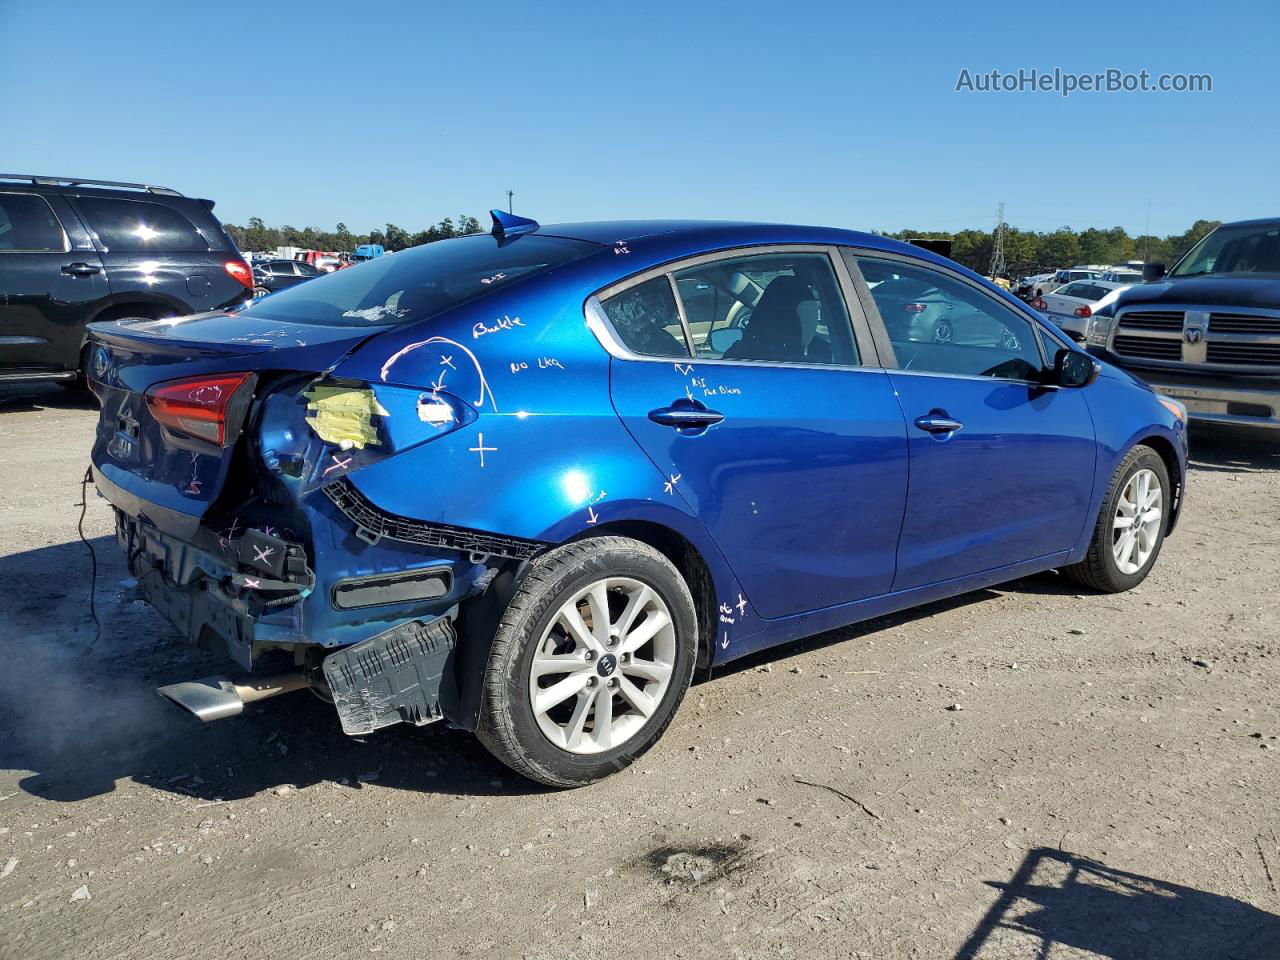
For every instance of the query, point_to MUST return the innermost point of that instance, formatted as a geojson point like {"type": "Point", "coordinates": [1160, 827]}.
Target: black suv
{"type": "Point", "coordinates": [75, 251]}
{"type": "Point", "coordinates": [1208, 331]}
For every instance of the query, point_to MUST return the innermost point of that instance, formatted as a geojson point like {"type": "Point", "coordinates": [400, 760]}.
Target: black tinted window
{"type": "Point", "coordinates": [307, 270]}
{"type": "Point", "coordinates": [421, 281]}
{"type": "Point", "coordinates": [282, 268]}
{"type": "Point", "coordinates": [136, 226]}
{"type": "Point", "coordinates": [645, 318]}
{"type": "Point", "coordinates": [27, 222]}
{"type": "Point", "coordinates": [940, 324]}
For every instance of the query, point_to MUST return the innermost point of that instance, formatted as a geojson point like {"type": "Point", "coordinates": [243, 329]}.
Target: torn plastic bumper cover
{"type": "Point", "coordinates": [403, 675]}
{"type": "Point", "coordinates": [373, 524]}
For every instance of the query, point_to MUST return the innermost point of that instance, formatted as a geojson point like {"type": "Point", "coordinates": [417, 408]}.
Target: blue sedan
{"type": "Point", "coordinates": [531, 481]}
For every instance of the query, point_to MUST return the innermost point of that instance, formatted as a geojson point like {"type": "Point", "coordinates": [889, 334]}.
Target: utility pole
{"type": "Point", "coordinates": [998, 266]}
{"type": "Point", "coordinates": [1146, 235]}
{"type": "Point", "coordinates": [510, 194]}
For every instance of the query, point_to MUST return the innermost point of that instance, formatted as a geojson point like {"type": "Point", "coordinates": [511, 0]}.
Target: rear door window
{"type": "Point", "coordinates": [28, 224]}
{"type": "Point", "coordinates": [780, 307]}
{"type": "Point", "coordinates": [647, 320]}
{"type": "Point", "coordinates": [137, 226]}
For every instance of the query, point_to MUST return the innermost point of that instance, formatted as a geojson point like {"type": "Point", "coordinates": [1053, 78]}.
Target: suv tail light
{"type": "Point", "coordinates": [240, 271]}
{"type": "Point", "coordinates": [197, 406]}
{"type": "Point", "coordinates": [914, 308]}
{"type": "Point", "coordinates": [1084, 311]}
{"type": "Point", "coordinates": [1039, 304]}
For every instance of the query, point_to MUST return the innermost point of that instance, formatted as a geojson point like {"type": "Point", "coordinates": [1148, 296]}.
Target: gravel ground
{"type": "Point", "coordinates": [1025, 772]}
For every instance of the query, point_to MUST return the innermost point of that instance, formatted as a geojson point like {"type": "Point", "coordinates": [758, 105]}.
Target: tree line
{"type": "Point", "coordinates": [1027, 252]}
{"type": "Point", "coordinates": [256, 235]}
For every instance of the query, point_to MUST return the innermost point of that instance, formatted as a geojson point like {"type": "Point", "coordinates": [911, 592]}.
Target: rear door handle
{"type": "Point", "coordinates": [80, 269]}
{"type": "Point", "coordinates": [686, 414]}
{"type": "Point", "coordinates": [933, 423]}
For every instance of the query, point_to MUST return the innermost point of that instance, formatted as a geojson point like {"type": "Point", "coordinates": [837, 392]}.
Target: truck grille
{"type": "Point", "coordinates": [1194, 337]}
{"type": "Point", "coordinates": [1148, 348]}
{"type": "Point", "coordinates": [1242, 323]}
{"type": "Point", "coordinates": [1245, 354]}
{"type": "Point", "coordinates": [1152, 320]}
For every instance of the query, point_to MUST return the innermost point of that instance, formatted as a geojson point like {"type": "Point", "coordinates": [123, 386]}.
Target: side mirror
{"type": "Point", "coordinates": [1072, 368]}
{"type": "Point", "coordinates": [1151, 272]}
{"type": "Point", "coordinates": [724, 338]}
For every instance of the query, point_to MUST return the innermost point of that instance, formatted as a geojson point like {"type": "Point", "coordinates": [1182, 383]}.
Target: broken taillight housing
{"type": "Point", "coordinates": [197, 406]}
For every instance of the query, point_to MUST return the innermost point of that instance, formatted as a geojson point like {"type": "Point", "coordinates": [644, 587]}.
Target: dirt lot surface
{"type": "Point", "coordinates": [1026, 772]}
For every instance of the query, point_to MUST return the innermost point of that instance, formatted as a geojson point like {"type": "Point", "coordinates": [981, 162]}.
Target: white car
{"type": "Point", "coordinates": [1122, 276]}
{"type": "Point", "coordinates": [1062, 277]}
{"type": "Point", "coordinates": [1071, 306]}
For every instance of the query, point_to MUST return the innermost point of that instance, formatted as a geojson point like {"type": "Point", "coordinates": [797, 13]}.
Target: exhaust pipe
{"type": "Point", "coordinates": [216, 698]}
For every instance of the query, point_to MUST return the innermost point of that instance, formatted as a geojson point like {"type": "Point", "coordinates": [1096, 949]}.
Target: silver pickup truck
{"type": "Point", "coordinates": [1208, 331]}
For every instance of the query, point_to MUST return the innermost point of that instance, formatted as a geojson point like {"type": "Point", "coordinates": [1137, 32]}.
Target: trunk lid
{"type": "Point", "coordinates": [168, 478]}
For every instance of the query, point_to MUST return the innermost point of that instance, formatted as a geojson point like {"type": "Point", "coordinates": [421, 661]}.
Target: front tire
{"type": "Point", "coordinates": [591, 660]}
{"type": "Point", "coordinates": [1131, 525]}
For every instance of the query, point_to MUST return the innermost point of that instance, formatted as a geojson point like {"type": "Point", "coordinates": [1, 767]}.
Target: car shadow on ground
{"type": "Point", "coordinates": [1227, 450]}
{"type": "Point", "coordinates": [20, 397]}
{"type": "Point", "coordinates": [82, 714]}
{"type": "Point", "coordinates": [1059, 899]}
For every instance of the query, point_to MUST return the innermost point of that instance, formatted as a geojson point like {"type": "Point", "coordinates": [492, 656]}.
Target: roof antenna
{"type": "Point", "coordinates": [507, 225]}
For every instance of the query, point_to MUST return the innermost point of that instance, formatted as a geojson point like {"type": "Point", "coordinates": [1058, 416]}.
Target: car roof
{"type": "Point", "coordinates": [679, 237]}
{"type": "Point", "coordinates": [1260, 222]}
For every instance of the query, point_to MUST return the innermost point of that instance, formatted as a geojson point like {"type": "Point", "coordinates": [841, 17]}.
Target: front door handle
{"type": "Point", "coordinates": [935, 423]}
{"type": "Point", "coordinates": [686, 414]}
{"type": "Point", "coordinates": [80, 269]}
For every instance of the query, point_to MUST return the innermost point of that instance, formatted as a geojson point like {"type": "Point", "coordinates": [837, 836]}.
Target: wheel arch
{"type": "Point", "coordinates": [687, 559]}
{"type": "Point", "coordinates": [1169, 454]}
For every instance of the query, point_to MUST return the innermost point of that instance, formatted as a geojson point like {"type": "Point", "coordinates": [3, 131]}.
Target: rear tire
{"type": "Point", "coordinates": [1130, 529]}
{"type": "Point", "coordinates": [634, 659]}
{"type": "Point", "coordinates": [259, 292]}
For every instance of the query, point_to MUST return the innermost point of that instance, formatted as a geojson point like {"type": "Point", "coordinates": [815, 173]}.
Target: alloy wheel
{"type": "Point", "coordinates": [602, 666]}
{"type": "Point", "coordinates": [1136, 525]}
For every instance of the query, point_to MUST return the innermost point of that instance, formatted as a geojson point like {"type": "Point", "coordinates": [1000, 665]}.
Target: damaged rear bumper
{"type": "Point", "coordinates": [387, 656]}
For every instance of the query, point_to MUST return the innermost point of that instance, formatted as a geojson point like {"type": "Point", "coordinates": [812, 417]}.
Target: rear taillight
{"type": "Point", "coordinates": [240, 271]}
{"type": "Point", "coordinates": [1039, 304]}
{"type": "Point", "coordinates": [914, 308]}
{"type": "Point", "coordinates": [197, 406]}
{"type": "Point", "coordinates": [1083, 311]}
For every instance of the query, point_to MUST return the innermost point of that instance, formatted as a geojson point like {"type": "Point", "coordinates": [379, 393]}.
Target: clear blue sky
{"type": "Point", "coordinates": [838, 113]}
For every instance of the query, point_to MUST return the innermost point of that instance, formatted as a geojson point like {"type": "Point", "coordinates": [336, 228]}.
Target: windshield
{"type": "Point", "coordinates": [1246, 248]}
{"type": "Point", "coordinates": [419, 282]}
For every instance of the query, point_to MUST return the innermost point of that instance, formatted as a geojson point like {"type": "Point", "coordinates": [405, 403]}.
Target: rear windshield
{"type": "Point", "coordinates": [419, 282]}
